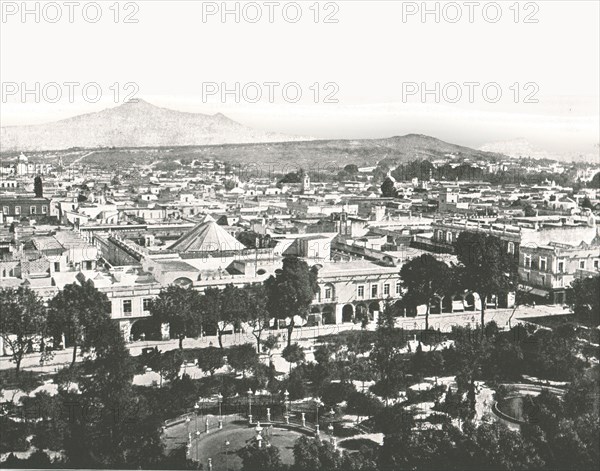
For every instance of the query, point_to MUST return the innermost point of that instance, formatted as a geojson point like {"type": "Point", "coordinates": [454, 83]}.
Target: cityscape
{"type": "Point", "coordinates": [184, 288]}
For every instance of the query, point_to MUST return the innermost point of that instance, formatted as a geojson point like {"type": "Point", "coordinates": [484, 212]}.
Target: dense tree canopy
{"type": "Point", "coordinates": [23, 321]}
{"type": "Point", "coordinates": [291, 292]}
{"type": "Point", "coordinates": [586, 300]}
{"type": "Point", "coordinates": [485, 267]}
{"type": "Point", "coordinates": [81, 312]}
{"type": "Point", "coordinates": [180, 307]}
{"type": "Point", "coordinates": [423, 278]}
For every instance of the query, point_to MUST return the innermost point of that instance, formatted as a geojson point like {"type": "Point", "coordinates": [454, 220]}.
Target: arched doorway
{"type": "Point", "coordinates": [347, 313]}
{"type": "Point", "coordinates": [145, 329]}
{"type": "Point", "coordinates": [315, 317]}
{"type": "Point", "coordinates": [362, 313]}
{"type": "Point", "coordinates": [328, 315]}
{"type": "Point", "coordinates": [373, 310]}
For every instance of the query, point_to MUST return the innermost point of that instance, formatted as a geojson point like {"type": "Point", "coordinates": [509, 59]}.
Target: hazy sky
{"type": "Point", "coordinates": [376, 59]}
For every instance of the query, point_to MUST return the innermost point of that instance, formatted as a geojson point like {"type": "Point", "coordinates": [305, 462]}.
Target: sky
{"type": "Point", "coordinates": [471, 73]}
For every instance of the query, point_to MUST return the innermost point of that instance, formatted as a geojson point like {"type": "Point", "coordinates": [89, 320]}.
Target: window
{"type": "Point", "coordinates": [582, 264]}
{"type": "Point", "coordinates": [327, 293]}
{"type": "Point", "coordinates": [561, 267]}
{"type": "Point", "coordinates": [373, 291]}
{"type": "Point", "coordinates": [57, 266]}
{"type": "Point", "coordinates": [543, 280]}
{"type": "Point", "coordinates": [146, 304]}
{"type": "Point", "coordinates": [127, 307]}
{"type": "Point", "coordinates": [528, 261]}
{"type": "Point", "coordinates": [528, 275]}
{"type": "Point", "coordinates": [5, 210]}
{"type": "Point", "coordinates": [17, 210]}
{"type": "Point", "coordinates": [511, 248]}
{"type": "Point", "coordinates": [596, 264]}
{"type": "Point", "coordinates": [32, 210]}
{"type": "Point", "coordinates": [361, 291]}
{"type": "Point", "coordinates": [449, 237]}
{"type": "Point", "coordinates": [542, 264]}
{"type": "Point", "coordinates": [44, 209]}
{"type": "Point", "coordinates": [386, 289]}
{"type": "Point", "coordinates": [398, 288]}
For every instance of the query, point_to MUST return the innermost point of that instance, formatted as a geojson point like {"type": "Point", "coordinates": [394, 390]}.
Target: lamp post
{"type": "Point", "coordinates": [318, 403]}
{"type": "Point", "coordinates": [220, 400]}
{"type": "Point", "coordinates": [259, 437]}
{"type": "Point", "coordinates": [197, 440]}
{"type": "Point", "coordinates": [187, 425]}
{"type": "Point", "coordinates": [226, 455]}
{"type": "Point", "coordinates": [287, 409]}
{"type": "Point", "coordinates": [249, 392]}
{"type": "Point", "coordinates": [196, 408]}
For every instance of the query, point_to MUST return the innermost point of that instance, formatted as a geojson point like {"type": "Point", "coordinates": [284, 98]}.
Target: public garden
{"type": "Point", "coordinates": [382, 398]}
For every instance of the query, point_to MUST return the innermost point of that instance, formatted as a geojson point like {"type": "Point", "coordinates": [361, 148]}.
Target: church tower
{"type": "Point", "coordinates": [305, 183]}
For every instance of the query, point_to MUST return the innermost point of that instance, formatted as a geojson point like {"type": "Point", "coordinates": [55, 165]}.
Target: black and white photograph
{"type": "Point", "coordinates": [312, 235]}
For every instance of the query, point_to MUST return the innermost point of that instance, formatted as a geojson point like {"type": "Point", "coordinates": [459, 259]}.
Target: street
{"type": "Point", "coordinates": [303, 335]}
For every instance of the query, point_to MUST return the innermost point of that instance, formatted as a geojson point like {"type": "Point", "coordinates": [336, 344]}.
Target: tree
{"type": "Point", "coordinates": [291, 292]}
{"type": "Point", "coordinates": [117, 428]}
{"type": "Point", "coordinates": [270, 343]}
{"type": "Point", "coordinates": [242, 357]}
{"type": "Point", "coordinates": [293, 177]}
{"type": "Point", "coordinates": [424, 278]}
{"type": "Point", "coordinates": [249, 239]}
{"type": "Point", "coordinates": [386, 358]}
{"type": "Point", "coordinates": [22, 321]}
{"type": "Point", "coordinates": [388, 189]}
{"type": "Point", "coordinates": [586, 300]}
{"type": "Point", "coordinates": [315, 455]}
{"type": "Point", "coordinates": [529, 211]}
{"type": "Point", "coordinates": [257, 315]}
{"type": "Point", "coordinates": [234, 308]}
{"type": "Point", "coordinates": [352, 169]}
{"type": "Point", "coordinates": [266, 458]}
{"type": "Point", "coordinates": [223, 308]}
{"type": "Point", "coordinates": [485, 267]}
{"type": "Point", "coordinates": [169, 365]}
{"type": "Point", "coordinates": [179, 307]}
{"type": "Point", "coordinates": [586, 203]}
{"type": "Point", "coordinates": [38, 188]}
{"type": "Point", "coordinates": [82, 313]}
{"type": "Point", "coordinates": [293, 354]}
{"type": "Point", "coordinates": [211, 359]}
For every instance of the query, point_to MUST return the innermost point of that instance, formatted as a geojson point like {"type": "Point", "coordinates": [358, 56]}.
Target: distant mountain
{"type": "Point", "coordinates": [134, 124]}
{"type": "Point", "coordinates": [521, 148]}
{"type": "Point", "coordinates": [517, 148]}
